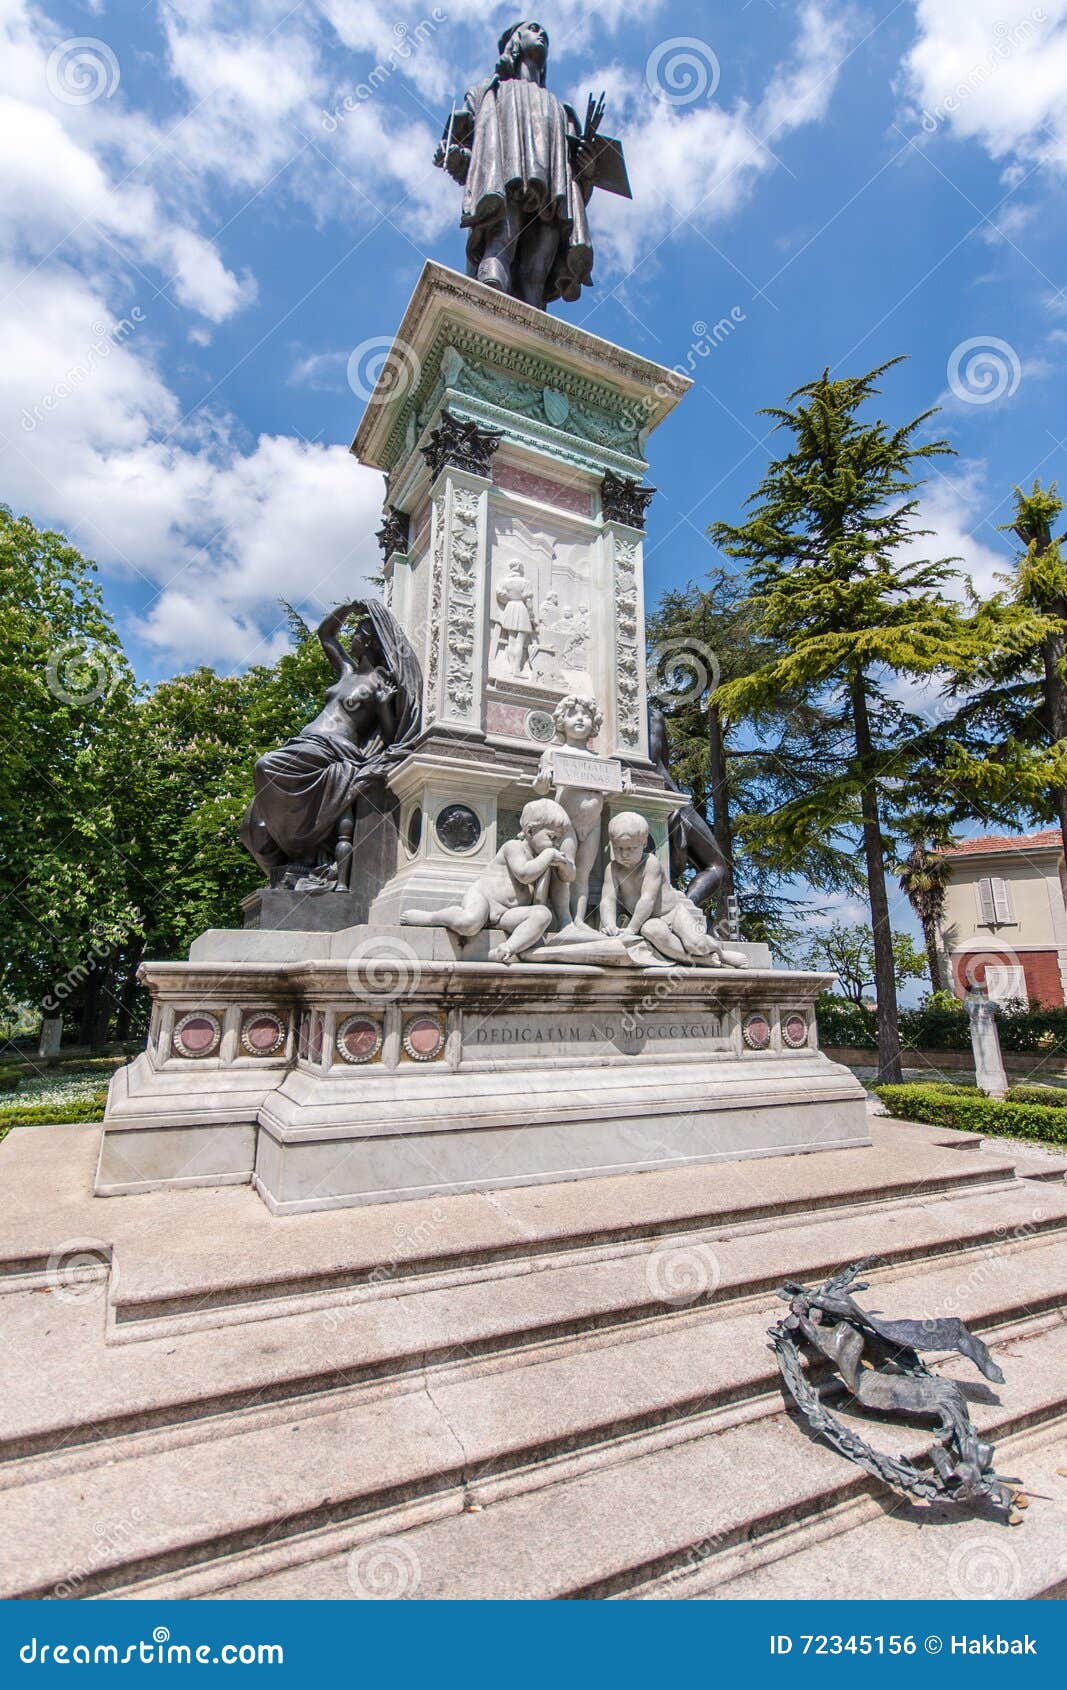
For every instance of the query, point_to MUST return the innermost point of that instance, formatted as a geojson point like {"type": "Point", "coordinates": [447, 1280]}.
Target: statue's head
{"type": "Point", "coordinates": [628, 833]}
{"type": "Point", "coordinates": [522, 41]}
{"type": "Point", "coordinates": [364, 642]}
{"type": "Point", "coordinates": [578, 718]}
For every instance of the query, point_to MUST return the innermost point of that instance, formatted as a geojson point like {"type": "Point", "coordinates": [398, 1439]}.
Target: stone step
{"type": "Point", "coordinates": [69, 1390]}
{"type": "Point", "coordinates": [871, 1550]}
{"type": "Point", "coordinates": [636, 1526]}
{"type": "Point", "coordinates": [224, 1251]}
{"type": "Point", "coordinates": [235, 1486]}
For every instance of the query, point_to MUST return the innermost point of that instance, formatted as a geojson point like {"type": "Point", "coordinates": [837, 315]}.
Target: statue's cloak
{"type": "Point", "coordinates": [520, 151]}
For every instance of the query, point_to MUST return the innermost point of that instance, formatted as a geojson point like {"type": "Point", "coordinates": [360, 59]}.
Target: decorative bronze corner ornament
{"type": "Point", "coordinates": [624, 500]}
{"type": "Point", "coordinates": [394, 533]}
{"type": "Point", "coordinates": [878, 1364]}
{"type": "Point", "coordinates": [462, 444]}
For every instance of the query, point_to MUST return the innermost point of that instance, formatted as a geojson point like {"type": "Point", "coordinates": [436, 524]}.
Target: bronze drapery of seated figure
{"type": "Point", "coordinates": [299, 825]}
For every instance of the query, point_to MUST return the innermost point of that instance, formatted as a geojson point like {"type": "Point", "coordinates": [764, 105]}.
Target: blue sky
{"type": "Point", "coordinates": [852, 181]}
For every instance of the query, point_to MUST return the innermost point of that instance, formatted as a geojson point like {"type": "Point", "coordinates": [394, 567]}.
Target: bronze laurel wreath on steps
{"type": "Point", "coordinates": [878, 1363]}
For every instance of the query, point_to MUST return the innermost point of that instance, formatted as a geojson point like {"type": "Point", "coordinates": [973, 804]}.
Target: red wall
{"type": "Point", "coordinates": [1040, 968]}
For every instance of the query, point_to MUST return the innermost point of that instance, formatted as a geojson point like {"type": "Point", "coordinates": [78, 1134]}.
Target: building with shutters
{"type": "Point", "coordinates": [1005, 922]}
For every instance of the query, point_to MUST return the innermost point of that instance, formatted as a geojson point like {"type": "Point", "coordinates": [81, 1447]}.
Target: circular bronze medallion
{"type": "Point", "coordinates": [458, 828]}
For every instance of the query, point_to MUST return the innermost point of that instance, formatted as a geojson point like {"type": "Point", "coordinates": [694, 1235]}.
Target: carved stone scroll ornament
{"type": "Point", "coordinates": [394, 533]}
{"type": "Point", "coordinates": [624, 500]}
{"type": "Point", "coordinates": [462, 444]}
{"type": "Point", "coordinates": [877, 1362]}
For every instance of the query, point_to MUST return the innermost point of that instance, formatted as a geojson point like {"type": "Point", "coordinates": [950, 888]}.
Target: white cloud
{"type": "Point", "coordinates": [698, 161]}
{"type": "Point", "coordinates": [962, 514]}
{"type": "Point", "coordinates": [60, 190]}
{"type": "Point", "coordinates": [993, 71]}
{"type": "Point", "coordinates": [221, 533]}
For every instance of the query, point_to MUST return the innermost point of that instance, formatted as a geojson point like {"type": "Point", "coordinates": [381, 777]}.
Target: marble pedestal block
{"type": "Point", "coordinates": [377, 1076]}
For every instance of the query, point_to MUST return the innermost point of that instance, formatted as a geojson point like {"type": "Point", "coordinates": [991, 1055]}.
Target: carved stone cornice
{"type": "Point", "coordinates": [624, 500]}
{"type": "Point", "coordinates": [394, 533]}
{"type": "Point", "coordinates": [462, 444]}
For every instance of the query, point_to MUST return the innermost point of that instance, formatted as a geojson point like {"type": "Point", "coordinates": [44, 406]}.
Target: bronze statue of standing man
{"type": "Point", "coordinates": [528, 169]}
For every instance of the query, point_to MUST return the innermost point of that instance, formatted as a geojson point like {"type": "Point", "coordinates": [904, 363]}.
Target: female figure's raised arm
{"type": "Point", "coordinates": [329, 631]}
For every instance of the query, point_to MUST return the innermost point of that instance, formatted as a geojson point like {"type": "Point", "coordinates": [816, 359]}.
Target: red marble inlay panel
{"type": "Point", "coordinates": [566, 496]}
{"type": "Point", "coordinates": [423, 1038]}
{"type": "Point", "coordinates": [197, 1034]}
{"type": "Point", "coordinates": [757, 1032]}
{"type": "Point", "coordinates": [795, 1030]}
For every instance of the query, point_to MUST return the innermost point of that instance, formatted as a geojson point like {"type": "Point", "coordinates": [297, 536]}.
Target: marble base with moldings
{"type": "Point", "coordinates": [398, 1064]}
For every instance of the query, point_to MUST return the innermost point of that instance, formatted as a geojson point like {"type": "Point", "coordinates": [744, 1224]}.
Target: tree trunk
{"type": "Point", "coordinates": [720, 803]}
{"type": "Point", "coordinates": [128, 994]}
{"type": "Point", "coordinates": [1052, 652]}
{"type": "Point", "coordinates": [885, 980]}
{"type": "Point", "coordinates": [933, 961]}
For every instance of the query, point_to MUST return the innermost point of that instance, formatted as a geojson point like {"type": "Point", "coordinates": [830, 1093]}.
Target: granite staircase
{"type": "Point", "coordinates": [556, 1391]}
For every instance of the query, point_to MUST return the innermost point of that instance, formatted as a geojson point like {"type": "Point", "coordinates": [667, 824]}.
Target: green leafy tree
{"type": "Point", "coordinates": [849, 950]}
{"type": "Point", "coordinates": [1007, 749]}
{"type": "Point", "coordinates": [731, 765]}
{"type": "Point", "coordinates": [924, 876]}
{"type": "Point", "coordinates": [828, 546]}
{"type": "Point", "coordinates": [67, 702]}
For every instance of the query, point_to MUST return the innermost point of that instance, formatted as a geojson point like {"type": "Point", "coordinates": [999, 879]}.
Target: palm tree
{"type": "Point", "coordinates": [924, 877]}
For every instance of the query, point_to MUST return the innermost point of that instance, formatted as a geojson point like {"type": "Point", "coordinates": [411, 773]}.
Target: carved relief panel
{"type": "Point", "coordinates": [542, 606]}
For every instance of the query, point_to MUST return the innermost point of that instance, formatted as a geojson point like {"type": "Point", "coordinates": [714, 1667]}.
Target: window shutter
{"type": "Point", "coordinates": [987, 913]}
{"type": "Point", "coordinates": [1002, 905]}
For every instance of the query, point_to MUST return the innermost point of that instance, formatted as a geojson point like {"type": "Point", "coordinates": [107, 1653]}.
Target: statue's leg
{"type": "Point", "coordinates": [535, 255]}
{"type": "Point", "coordinates": [584, 861]}
{"type": "Point", "coordinates": [524, 926]}
{"type": "Point", "coordinates": [497, 264]}
{"type": "Point", "coordinates": [466, 919]}
{"type": "Point", "coordinates": [662, 938]}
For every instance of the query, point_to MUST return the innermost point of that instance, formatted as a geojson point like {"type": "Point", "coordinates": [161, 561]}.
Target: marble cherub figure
{"type": "Point", "coordinates": [636, 885]}
{"type": "Point", "coordinates": [515, 891]}
{"type": "Point", "coordinates": [578, 720]}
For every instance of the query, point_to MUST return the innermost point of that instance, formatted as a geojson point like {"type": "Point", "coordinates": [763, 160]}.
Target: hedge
{"type": "Point", "coordinates": [53, 1114]}
{"type": "Point", "coordinates": [940, 1025]}
{"type": "Point", "coordinates": [10, 1079]}
{"type": "Point", "coordinates": [1053, 1097]}
{"type": "Point", "coordinates": [969, 1111]}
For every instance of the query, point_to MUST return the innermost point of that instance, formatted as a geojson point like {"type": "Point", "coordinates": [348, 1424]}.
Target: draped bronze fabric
{"type": "Point", "coordinates": [520, 153]}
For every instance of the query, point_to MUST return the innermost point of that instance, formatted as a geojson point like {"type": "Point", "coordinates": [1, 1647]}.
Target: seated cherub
{"type": "Point", "coordinates": [513, 893]}
{"type": "Point", "coordinates": [578, 720]}
{"type": "Point", "coordinates": [637, 884]}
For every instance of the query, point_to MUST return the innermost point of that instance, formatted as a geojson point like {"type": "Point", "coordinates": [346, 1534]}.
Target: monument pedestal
{"type": "Point", "coordinates": [333, 1056]}
{"type": "Point", "coordinates": [403, 1069]}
